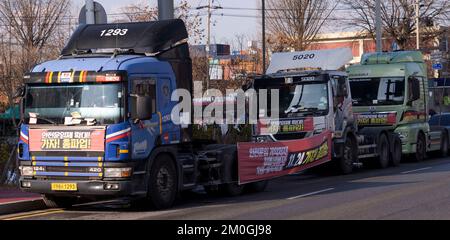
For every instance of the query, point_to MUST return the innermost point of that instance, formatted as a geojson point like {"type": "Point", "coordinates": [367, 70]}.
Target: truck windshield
{"type": "Point", "coordinates": [302, 99]}
{"type": "Point", "coordinates": [102, 102]}
{"type": "Point", "coordinates": [378, 91]}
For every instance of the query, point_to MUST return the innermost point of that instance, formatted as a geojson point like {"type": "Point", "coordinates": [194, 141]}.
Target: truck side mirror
{"type": "Point", "coordinates": [20, 92]}
{"type": "Point", "coordinates": [141, 107]}
{"type": "Point", "coordinates": [341, 88]}
{"type": "Point", "coordinates": [414, 87]}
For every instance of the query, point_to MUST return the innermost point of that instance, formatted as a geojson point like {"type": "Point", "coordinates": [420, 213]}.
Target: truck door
{"type": "Point", "coordinates": [170, 133]}
{"type": "Point", "coordinates": [145, 132]}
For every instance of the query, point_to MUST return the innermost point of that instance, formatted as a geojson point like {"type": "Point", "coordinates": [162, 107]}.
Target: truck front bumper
{"type": "Point", "coordinates": [84, 188]}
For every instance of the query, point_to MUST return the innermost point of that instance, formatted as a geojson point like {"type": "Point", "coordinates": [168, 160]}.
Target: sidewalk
{"type": "Point", "coordinates": [12, 200]}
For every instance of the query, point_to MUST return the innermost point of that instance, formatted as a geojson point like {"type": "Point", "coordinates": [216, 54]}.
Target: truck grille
{"type": "Point", "coordinates": [72, 154]}
{"type": "Point", "coordinates": [68, 169]}
{"type": "Point", "coordinates": [290, 136]}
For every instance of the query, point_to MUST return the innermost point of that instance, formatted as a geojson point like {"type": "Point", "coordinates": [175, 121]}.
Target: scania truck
{"type": "Point", "coordinates": [390, 93]}
{"type": "Point", "coordinates": [97, 121]}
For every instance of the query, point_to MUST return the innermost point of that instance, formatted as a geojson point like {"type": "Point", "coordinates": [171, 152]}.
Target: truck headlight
{"type": "Point", "coordinates": [117, 172]}
{"type": "Point", "coordinates": [403, 135]}
{"type": "Point", "coordinates": [26, 170]}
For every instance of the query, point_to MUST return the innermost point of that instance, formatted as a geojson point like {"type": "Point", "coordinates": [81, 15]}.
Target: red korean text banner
{"type": "Point", "coordinates": [66, 140]}
{"type": "Point", "coordinates": [261, 161]}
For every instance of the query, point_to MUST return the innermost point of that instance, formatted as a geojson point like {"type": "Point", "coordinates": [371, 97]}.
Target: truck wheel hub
{"type": "Point", "coordinates": [164, 181]}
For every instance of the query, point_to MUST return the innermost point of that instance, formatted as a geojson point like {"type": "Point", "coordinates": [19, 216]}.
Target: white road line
{"type": "Point", "coordinates": [420, 169]}
{"type": "Point", "coordinates": [312, 193]}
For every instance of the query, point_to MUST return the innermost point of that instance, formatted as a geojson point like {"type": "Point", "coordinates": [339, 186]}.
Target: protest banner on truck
{"type": "Point", "coordinates": [261, 161]}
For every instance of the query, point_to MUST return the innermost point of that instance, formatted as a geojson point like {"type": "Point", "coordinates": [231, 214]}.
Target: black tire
{"type": "Point", "coordinates": [421, 149]}
{"type": "Point", "coordinates": [348, 157]}
{"type": "Point", "coordinates": [58, 202]}
{"type": "Point", "coordinates": [257, 186]}
{"type": "Point", "coordinates": [444, 144]}
{"type": "Point", "coordinates": [383, 151]}
{"type": "Point", "coordinates": [396, 154]}
{"type": "Point", "coordinates": [163, 183]}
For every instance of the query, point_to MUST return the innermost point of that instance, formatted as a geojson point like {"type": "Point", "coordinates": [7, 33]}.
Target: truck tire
{"type": "Point", "coordinates": [348, 157]}
{"type": "Point", "coordinates": [383, 151]}
{"type": "Point", "coordinates": [396, 155]}
{"type": "Point", "coordinates": [421, 149]}
{"type": "Point", "coordinates": [163, 183]}
{"type": "Point", "coordinates": [58, 202]}
{"type": "Point", "coordinates": [444, 144]}
{"type": "Point", "coordinates": [257, 186]}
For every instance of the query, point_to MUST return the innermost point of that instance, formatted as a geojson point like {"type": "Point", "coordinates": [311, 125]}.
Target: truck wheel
{"type": "Point", "coordinates": [444, 144]}
{"type": "Point", "coordinates": [421, 149]}
{"type": "Point", "coordinates": [58, 202]}
{"type": "Point", "coordinates": [397, 152]}
{"type": "Point", "coordinates": [348, 157]}
{"type": "Point", "coordinates": [383, 152]}
{"type": "Point", "coordinates": [162, 187]}
{"type": "Point", "coordinates": [257, 186]}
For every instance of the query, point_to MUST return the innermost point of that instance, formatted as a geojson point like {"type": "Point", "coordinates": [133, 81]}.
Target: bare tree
{"type": "Point", "coordinates": [294, 24]}
{"type": "Point", "coordinates": [9, 70]}
{"type": "Point", "coordinates": [31, 23]}
{"type": "Point", "coordinates": [28, 35]}
{"type": "Point", "coordinates": [143, 12]}
{"type": "Point", "coordinates": [399, 18]}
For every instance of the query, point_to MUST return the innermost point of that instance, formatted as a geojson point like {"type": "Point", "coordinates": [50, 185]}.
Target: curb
{"type": "Point", "coordinates": [21, 206]}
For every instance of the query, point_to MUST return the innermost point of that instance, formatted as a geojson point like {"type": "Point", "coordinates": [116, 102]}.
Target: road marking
{"type": "Point", "coordinates": [312, 193]}
{"type": "Point", "coordinates": [417, 170]}
{"type": "Point", "coordinates": [36, 214]}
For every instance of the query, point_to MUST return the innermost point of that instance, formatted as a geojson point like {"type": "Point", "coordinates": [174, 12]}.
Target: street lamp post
{"type": "Point", "coordinates": [165, 9]}
{"type": "Point", "coordinates": [264, 35]}
{"type": "Point", "coordinates": [418, 24]}
{"type": "Point", "coordinates": [378, 28]}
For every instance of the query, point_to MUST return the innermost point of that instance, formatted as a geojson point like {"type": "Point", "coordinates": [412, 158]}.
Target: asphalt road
{"type": "Point", "coordinates": [411, 191]}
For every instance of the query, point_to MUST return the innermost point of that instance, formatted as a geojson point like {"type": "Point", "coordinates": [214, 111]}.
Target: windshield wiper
{"type": "Point", "coordinates": [44, 119]}
{"type": "Point", "coordinates": [294, 108]}
{"type": "Point", "coordinates": [300, 109]}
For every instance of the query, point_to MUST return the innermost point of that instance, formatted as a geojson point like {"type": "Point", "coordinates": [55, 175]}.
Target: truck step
{"type": "Point", "coordinates": [190, 166]}
{"type": "Point", "coordinates": [358, 164]}
{"type": "Point", "coordinates": [209, 166]}
{"type": "Point", "coordinates": [368, 155]}
{"type": "Point", "coordinates": [367, 146]}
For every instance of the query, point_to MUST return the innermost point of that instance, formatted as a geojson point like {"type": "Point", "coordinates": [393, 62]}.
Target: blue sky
{"type": "Point", "coordinates": [226, 27]}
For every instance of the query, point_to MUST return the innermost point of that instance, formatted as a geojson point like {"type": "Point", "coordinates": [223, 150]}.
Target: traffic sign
{"type": "Point", "coordinates": [99, 14]}
{"type": "Point", "coordinates": [437, 66]}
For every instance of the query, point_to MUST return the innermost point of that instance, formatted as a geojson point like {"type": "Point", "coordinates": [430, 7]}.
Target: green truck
{"type": "Point", "coordinates": [390, 94]}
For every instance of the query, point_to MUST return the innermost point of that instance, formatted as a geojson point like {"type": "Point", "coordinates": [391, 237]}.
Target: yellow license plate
{"type": "Point", "coordinates": [64, 187]}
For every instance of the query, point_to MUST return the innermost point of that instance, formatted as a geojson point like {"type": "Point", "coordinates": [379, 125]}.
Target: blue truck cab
{"type": "Point", "coordinates": [97, 121]}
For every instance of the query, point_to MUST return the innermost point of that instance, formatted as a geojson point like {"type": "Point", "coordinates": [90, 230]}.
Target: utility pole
{"type": "Point", "coordinates": [418, 24]}
{"type": "Point", "coordinates": [264, 35]}
{"type": "Point", "coordinates": [165, 9]}
{"type": "Point", "coordinates": [208, 45]}
{"type": "Point", "coordinates": [378, 28]}
{"type": "Point", "coordinates": [210, 7]}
